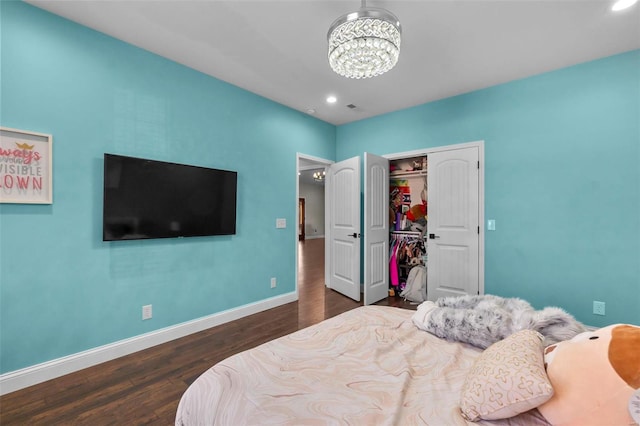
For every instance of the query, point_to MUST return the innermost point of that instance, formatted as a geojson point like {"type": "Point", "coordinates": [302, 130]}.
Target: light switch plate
{"type": "Point", "coordinates": [491, 224]}
{"type": "Point", "coordinates": [281, 223]}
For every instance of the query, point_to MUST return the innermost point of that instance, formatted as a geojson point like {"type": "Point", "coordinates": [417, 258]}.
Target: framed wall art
{"type": "Point", "coordinates": [25, 167]}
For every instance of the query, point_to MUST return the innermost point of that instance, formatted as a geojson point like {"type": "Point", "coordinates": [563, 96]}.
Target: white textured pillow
{"type": "Point", "coordinates": [507, 379]}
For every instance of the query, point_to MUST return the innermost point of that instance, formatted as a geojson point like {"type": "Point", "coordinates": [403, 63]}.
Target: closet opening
{"type": "Point", "coordinates": [408, 215]}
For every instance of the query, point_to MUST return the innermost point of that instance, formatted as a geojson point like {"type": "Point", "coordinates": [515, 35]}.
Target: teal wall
{"type": "Point", "coordinates": [562, 180]}
{"type": "Point", "coordinates": [63, 290]}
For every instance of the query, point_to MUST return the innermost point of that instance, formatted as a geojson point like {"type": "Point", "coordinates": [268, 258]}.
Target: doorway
{"type": "Point", "coordinates": [311, 212]}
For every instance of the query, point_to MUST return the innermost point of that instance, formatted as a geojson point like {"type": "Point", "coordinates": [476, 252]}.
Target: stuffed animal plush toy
{"type": "Point", "coordinates": [417, 212]}
{"type": "Point", "coordinates": [593, 375]}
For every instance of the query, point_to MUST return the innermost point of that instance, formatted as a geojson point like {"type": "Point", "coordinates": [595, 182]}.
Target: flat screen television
{"type": "Point", "coordinates": [146, 199]}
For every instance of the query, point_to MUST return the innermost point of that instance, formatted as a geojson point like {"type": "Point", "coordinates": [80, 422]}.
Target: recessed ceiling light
{"type": "Point", "coordinates": [623, 4]}
{"type": "Point", "coordinates": [332, 99]}
{"type": "Point", "coordinates": [311, 111]}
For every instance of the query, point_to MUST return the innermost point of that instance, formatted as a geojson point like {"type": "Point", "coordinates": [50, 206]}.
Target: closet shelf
{"type": "Point", "coordinates": [407, 232]}
{"type": "Point", "coordinates": [407, 173]}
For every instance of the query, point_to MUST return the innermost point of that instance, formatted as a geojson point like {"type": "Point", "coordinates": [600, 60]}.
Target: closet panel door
{"type": "Point", "coordinates": [453, 223]}
{"type": "Point", "coordinates": [376, 228]}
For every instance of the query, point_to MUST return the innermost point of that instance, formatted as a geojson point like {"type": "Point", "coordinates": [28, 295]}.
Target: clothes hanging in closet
{"type": "Point", "coordinates": [405, 251]}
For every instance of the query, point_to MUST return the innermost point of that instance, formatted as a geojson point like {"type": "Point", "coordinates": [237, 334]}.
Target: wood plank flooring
{"type": "Point", "coordinates": [145, 387]}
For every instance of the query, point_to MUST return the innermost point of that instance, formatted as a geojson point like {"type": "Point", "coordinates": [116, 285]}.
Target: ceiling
{"type": "Point", "coordinates": [278, 49]}
{"type": "Point", "coordinates": [306, 176]}
{"type": "Point", "coordinates": [307, 167]}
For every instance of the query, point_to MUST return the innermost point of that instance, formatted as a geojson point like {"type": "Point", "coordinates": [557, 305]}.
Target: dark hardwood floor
{"type": "Point", "coordinates": [145, 387]}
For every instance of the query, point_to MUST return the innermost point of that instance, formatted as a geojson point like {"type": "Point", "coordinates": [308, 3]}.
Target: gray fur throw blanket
{"type": "Point", "coordinates": [484, 320]}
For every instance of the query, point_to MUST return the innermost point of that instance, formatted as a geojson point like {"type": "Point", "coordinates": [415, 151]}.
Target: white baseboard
{"type": "Point", "coordinates": [19, 379]}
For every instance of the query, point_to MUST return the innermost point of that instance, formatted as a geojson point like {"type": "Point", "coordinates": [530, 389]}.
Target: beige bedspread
{"type": "Point", "coordinates": [368, 366]}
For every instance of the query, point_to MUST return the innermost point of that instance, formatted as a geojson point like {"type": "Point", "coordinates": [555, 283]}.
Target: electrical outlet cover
{"type": "Point", "coordinates": [598, 308]}
{"type": "Point", "coordinates": [147, 312]}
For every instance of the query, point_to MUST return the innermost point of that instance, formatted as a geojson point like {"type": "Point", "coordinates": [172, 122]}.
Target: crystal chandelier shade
{"type": "Point", "coordinates": [365, 43]}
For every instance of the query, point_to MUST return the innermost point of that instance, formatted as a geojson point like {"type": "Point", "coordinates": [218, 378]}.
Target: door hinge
{"type": "Point", "coordinates": [478, 164]}
{"type": "Point", "coordinates": [478, 230]}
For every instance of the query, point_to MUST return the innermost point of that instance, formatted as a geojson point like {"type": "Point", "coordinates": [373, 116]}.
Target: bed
{"type": "Point", "coordinates": [370, 365]}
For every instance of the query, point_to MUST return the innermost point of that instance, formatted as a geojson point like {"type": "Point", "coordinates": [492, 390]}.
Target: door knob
{"type": "Point", "coordinates": [354, 235]}
{"type": "Point", "coordinates": [433, 236]}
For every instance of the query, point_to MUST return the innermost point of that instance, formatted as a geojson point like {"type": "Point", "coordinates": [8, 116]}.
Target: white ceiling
{"type": "Point", "coordinates": [306, 176]}
{"type": "Point", "coordinates": [277, 49]}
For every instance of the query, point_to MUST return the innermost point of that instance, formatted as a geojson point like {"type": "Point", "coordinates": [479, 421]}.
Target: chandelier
{"type": "Point", "coordinates": [319, 176]}
{"type": "Point", "coordinates": [365, 43]}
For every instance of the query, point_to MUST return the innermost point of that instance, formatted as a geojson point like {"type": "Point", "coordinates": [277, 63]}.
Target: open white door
{"type": "Point", "coordinates": [343, 183]}
{"type": "Point", "coordinates": [376, 228]}
{"type": "Point", "coordinates": [453, 224]}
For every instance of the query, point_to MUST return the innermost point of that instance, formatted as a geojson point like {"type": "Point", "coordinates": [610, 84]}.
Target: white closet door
{"type": "Point", "coordinates": [376, 228]}
{"type": "Point", "coordinates": [453, 223]}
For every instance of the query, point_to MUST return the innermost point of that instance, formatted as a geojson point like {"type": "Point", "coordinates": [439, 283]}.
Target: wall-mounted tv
{"type": "Point", "coordinates": [154, 199]}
